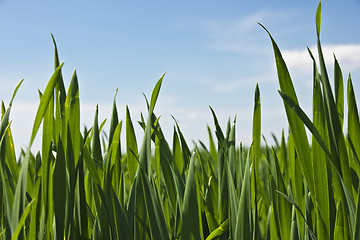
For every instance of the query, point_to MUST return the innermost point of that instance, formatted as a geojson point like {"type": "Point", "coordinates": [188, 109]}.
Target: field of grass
{"type": "Point", "coordinates": [88, 185]}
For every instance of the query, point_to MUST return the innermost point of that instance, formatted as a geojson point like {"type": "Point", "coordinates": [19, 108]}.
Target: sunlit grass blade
{"type": "Point", "coordinates": [296, 126]}
{"type": "Point", "coordinates": [339, 90]}
{"type": "Point", "coordinates": [20, 194]}
{"type": "Point", "coordinates": [243, 228]}
{"type": "Point", "coordinates": [155, 93]}
{"type": "Point", "coordinates": [353, 119]}
{"type": "Point", "coordinates": [179, 162]}
{"type": "Point", "coordinates": [44, 102]}
{"type": "Point", "coordinates": [131, 147]}
{"type": "Point", "coordinates": [114, 119]}
{"type": "Point", "coordinates": [72, 112]}
{"type": "Point", "coordinates": [309, 228]}
{"type": "Point", "coordinates": [22, 220]}
{"type": "Point", "coordinates": [191, 227]}
{"type": "Point", "coordinates": [219, 231]}
{"type": "Point", "coordinates": [322, 181]}
{"type": "Point", "coordinates": [115, 158]}
{"type": "Point", "coordinates": [341, 230]}
{"type": "Point", "coordinates": [336, 136]}
{"type": "Point", "coordinates": [185, 148]}
{"type": "Point", "coordinates": [158, 226]}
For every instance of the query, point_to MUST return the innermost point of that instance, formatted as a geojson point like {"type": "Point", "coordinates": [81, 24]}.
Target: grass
{"type": "Point", "coordinates": [84, 186]}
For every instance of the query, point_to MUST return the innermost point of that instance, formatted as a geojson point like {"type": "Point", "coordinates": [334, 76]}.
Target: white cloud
{"type": "Point", "coordinates": [348, 56]}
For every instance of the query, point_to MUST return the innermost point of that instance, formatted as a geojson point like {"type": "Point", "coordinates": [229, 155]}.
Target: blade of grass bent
{"type": "Point", "coordinates": [44, 101]}
{"type": "Point", "coordinates": [296, 126]}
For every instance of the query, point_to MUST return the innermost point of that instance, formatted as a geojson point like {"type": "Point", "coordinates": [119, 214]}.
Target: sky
{"type": "Point", "coordinates": [213, 52]}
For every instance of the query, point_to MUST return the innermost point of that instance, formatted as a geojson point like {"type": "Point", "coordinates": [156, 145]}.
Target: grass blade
{"type": "Point", "coordinates": [191, 227]}
{"type": "Point", "coordinates": [131, 147]}
{"type": "Point", "coordinates": [44, 102]}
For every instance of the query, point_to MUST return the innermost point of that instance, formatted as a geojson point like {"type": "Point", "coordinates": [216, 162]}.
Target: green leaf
{"type": "Point", "coordinates": [95, 146]}
{"type": "Point", "coordinates": [59, 191]}
{"type": "Point", "coordinates": [131, 147]}
{"type": "Point", "coordinates": [155, 214]}
{"type": "Point", "coordinates": [296, 126]}
{"type": "Point", "coordinates": [322, 182]}
{"type": "Point", "coordinates": [353, 118]}
{"type": "Point", "coordinates": [155, 93]}
{"type": "Point", "coordinates": [191, 227]}
{"type": "Point", "coordinates": [22, 220]}
{"type": "Point", "coordinates": [20, 193]}
{"type": "Point", "coordinates": [243, 223]}
{"type": "Point", "coordinates": [72, 109]}
{"type": "Point", "coordinates": [318, 19]}
{"type": "Point", "coordinates": [341, 230]}
{"type": "Point", "coordinates": [114, 120]}
{"type": "Point", "coordinates": [220, 230]}
{"type": "Point", "coordinates": [122, 224]}
{"type": "Point", "coordinates": [339, 90]}
{"type": "Point", "coordinates": [44, 102]}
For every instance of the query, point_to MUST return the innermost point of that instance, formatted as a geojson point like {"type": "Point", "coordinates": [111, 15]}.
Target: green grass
{"type": "Point", "coordinates": [85, 186]}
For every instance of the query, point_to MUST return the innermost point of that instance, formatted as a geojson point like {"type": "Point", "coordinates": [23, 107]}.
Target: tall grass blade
{"type": "Point", "coordinates": [322, 183]}
{"type": "Point", "coordinates": [60, 191]}
{"type": "Point", "coordinates": [20, 195]}
{"type": "Point", "coordinates": [72, 112]}
{"type": "Point", "coordinates": [191, 227]}
{"type": "Point", "coordinates": [243, 229]}
{"type": "Point", "coordinates": [158, 227]}
{"type": "Point", "coordinates": [337, 139]}
{"type": "Point", "coordinates": [44, 102]}
{"type": "Point", "coordinates": [353, 119]}
{"type": "Point", "coordinates": [22, 219]}
{"type": "Point", "coordinates": [296, 126]}
{"type": "Point", "coordinates": [131, 146]}
{"type": "Point", "coordinates": [339, 90]}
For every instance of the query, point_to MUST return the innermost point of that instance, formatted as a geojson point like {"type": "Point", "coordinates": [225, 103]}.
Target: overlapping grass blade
{"type": "Point", "coordinates": [44, 102]}
{"type": "Point", "coordinates": [22, 220]}
{"type": "Point", "coordinates": [336, 136]}
{"type": "Point", "coordinates": [191, 227]}
{"type": "Point", "coordinates": [296, 126]}
{"type": "Point", "coordinates": [131, 146]}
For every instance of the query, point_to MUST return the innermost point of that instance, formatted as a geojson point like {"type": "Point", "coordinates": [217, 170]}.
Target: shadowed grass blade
{"type": "Point", "coordinates": [59, 191]}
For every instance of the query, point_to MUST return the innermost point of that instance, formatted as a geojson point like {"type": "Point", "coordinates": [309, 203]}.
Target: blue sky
{"type": "Point", "coordinates": [214, 53]}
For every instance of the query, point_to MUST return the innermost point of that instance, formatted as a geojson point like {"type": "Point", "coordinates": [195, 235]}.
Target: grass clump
{"type": "Point", "coordinates": [80, 186]}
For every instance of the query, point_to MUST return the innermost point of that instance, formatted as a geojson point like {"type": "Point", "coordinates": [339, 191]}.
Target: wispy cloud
{"type": "Point", "coordinates": [234, 85]}
{"type": "Point", "coordinates": [242, 34]}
